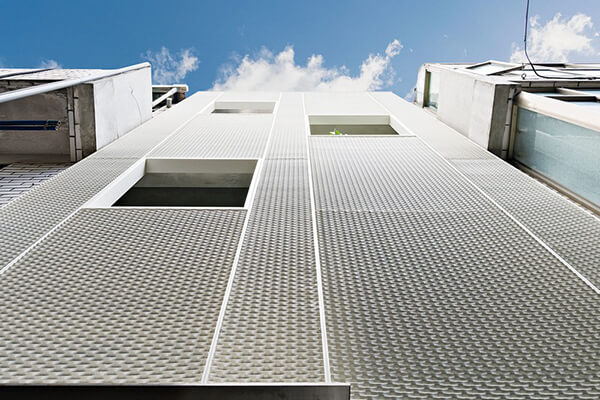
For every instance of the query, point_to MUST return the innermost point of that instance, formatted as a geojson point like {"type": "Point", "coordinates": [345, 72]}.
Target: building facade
{"type": "Point", "coordinates": [322, 243]}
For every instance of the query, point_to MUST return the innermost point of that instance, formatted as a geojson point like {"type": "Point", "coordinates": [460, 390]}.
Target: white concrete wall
{"type": "Point", "coordinates": [466, 104]}
{"type": "Point", "coordinates": [121, 103]}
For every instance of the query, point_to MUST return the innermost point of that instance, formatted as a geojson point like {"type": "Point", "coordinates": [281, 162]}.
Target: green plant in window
{"type": "Point", "coordinates": [335, 132]}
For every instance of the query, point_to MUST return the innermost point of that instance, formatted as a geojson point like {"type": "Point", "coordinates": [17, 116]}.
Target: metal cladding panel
{"type": "Point", "coordinates": [144, 138]}
{"type": "Point", "coordinates": [26, 219]}
{"type": "Point", "coordinates": [448, 142]}
{"type": "Point", "coordinates": [341, 103]}
{"type": "Point", "coordinates": [435, 293]}
{"type": "Point", "coordinates": [219, 136]}
{"type": "Point", "coordinates": [118, 296]}
{"type": "Point", "coordinates": [271, 329]}
{"type": "Point", "coordinates": [424, 305]}
{"type": "Point", "coordinates": [565, 227]}
{"type": "Point", "coordinates": [387, 174]}
{"type": "Point", "coordinates": [249, 96]}
{"type": "Point", "coordinates": [289, 132]}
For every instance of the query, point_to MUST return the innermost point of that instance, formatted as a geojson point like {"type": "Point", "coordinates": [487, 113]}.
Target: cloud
{"type": "Point", "coordinates": [279, 72]}
{"type": "Point", "coordinates": [557, 39]}
{"type": "Point", "coordinates": [168, 69]}
{"type": "Point", "coordinates": [50, 64]}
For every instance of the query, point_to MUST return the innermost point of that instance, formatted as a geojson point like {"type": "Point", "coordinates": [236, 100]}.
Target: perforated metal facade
{"type": "Point", "coordinates": [416, 265]}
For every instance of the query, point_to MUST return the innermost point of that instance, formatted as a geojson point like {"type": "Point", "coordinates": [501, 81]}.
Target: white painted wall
{"type": "Point", "coordinates": [466, 104]}
{"type": "Point", "coordinates": [121, 103]}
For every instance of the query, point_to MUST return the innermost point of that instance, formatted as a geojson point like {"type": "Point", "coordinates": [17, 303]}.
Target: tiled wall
{"type": "Point", "coordinates": [17, 179]}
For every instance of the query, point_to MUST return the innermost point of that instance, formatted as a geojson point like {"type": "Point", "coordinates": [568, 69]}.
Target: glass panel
{"type": "Point", "coordinates": [591, 92]}
{"type": "Point", "coordinates": [566, 153]}
{"type": "Point", "coordinates": [434, 90]}
{"type": "Point", "coordinates": [420, 92]}
{"type": "Point", "coordinates": [594, 104]}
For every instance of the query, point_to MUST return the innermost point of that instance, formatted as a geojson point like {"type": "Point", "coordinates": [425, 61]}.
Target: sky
{"type": "Point", "coordinates": [292, 45]}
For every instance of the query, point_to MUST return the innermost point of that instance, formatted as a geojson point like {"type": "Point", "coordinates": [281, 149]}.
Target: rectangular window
{"type": "Point", "coordinates": [353, 125]}
{"type": "Point", "coordinates": [565, 153]}
{"type": "Point", "coordinates": [191, 183]}
{"type": "Point", "coordinates": [181, 182]}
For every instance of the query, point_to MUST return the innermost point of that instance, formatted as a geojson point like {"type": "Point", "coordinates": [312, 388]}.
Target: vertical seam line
{"type": "Point", "coordinates": [313, 213]}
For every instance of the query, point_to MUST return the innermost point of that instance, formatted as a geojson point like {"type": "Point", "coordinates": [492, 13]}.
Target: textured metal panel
{"type": "Point", "coordinates": [569, 230]}
{"type": "Point", "coordinates": [219, 136]}
{"type": "Point", "coordinates": [445, 140]}
{"type": "Point", "coordinates": [341, 103]}
{"type": "Point", "coordinates": [134, 144]}
{"type": "Point", "coordinates": [565, 227]}
{"type": "Point", "coordinates": [426, 305]}
{"type": "Point", "coordinates": [289, 132]}
{"type": "Point", "coordinates": [271, 330]}
{"type": "Point", "coordinates": [249, 96]}
{"type": "Point", "coordinates": [432, 292]}
{"type": "Point", "coordinates": [144, 138]}
{"type": "Point", "coordinates": [115, 295]}
{"type": "Point", "coordinates": [24, 220]}
{"type": "Point", "coordinates": [387, 173]}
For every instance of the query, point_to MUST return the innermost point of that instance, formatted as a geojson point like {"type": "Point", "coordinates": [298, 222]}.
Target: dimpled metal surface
{"type": "Point", "coordinates": [26, 219]}
{"type": "Point", "coordinates": [434, 292]}
{"type": "Point", "coordinates": [118, 296]}
{"type": "Point", "coordinates": [271, 329]}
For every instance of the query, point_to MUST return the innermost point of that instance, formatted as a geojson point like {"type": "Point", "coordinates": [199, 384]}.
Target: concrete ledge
{"type": "Point", "coordinates": [163, 392]}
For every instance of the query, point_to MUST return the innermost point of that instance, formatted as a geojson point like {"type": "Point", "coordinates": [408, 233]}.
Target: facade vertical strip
{"type": "Point", "coordinates": [213, 345]}
{"type": "Point", "coordinates": [313, 214]}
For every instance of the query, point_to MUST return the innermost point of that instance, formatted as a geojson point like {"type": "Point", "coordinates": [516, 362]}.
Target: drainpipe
{"type": "Point", "coordinates": [512, 92]}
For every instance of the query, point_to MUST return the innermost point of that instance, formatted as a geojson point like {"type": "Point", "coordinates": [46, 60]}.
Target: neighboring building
{"type": "Point", "coordinates": [164, 96]}
{"type": "Point", "coordinates": [232, 247]}
{"type": "Point", "coordinates": [546, 123]}
{"type": "Point", "coordinates": [70, 123]}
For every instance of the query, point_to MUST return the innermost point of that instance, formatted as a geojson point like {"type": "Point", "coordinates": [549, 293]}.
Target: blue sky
{"type": "Point", "coordinates": [110, 34]}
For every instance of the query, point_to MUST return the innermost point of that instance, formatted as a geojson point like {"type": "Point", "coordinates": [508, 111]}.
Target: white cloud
{"type": "Point", "coordinates": [557, 39]}
{"type": "Point", "coordinates": [50, 64]}
{"type": "Point", "coordinates": [167, 68]}
{"type": "Point", "coordinates": [279, 72]}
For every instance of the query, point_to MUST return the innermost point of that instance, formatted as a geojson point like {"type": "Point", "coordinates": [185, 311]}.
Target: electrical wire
{"type": "Point", "coordinates": [529, 60]}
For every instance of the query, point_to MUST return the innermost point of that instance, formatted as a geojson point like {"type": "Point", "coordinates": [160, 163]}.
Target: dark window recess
{"type": "Point", "coordinates": [347, 129]}
{"type": "Point", "coordinates": [244, 107]}
{"type": "Point", "coordinates": [348, 125]}
{"type": "Point", "coordinates": [188, 190]}
{"type": "Point", "coordinates": [240, 111]}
